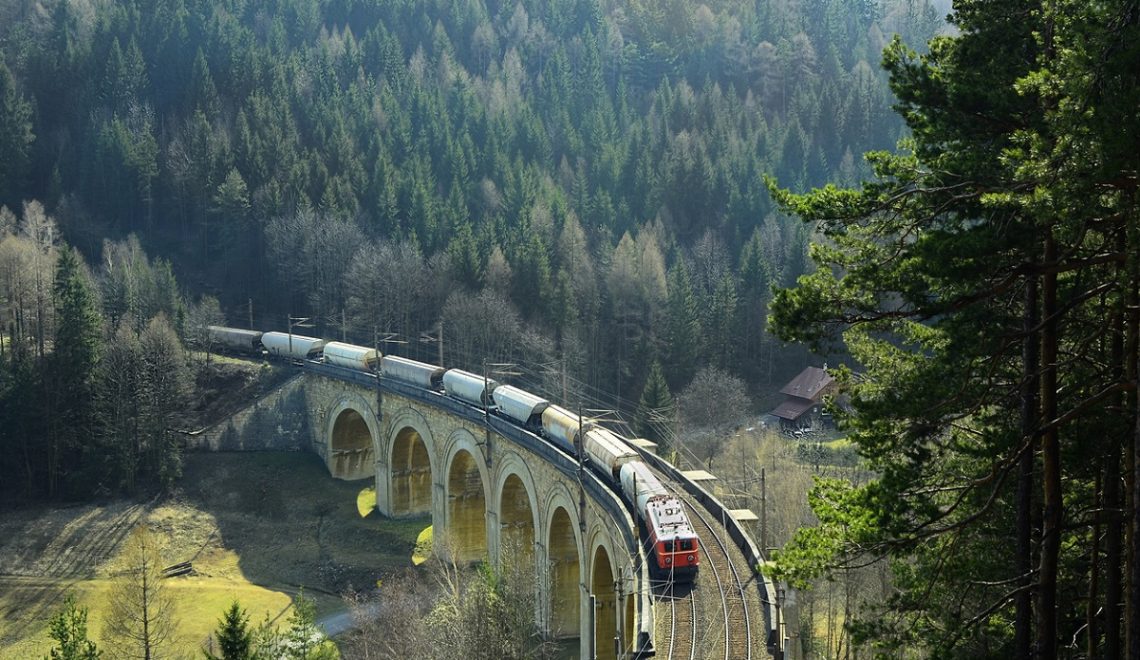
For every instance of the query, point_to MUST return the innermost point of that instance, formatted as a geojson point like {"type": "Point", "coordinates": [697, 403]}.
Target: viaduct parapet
{"type": "Point", "coordinates": [494, 492]}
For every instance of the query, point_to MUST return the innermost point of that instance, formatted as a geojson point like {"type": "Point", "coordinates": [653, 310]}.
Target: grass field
{"type": "Point", "coordinates": [257, 527]}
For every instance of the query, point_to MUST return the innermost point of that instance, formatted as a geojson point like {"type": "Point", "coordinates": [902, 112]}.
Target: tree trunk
{"type": "Point", "coordinates": [1053, 512]}
{"type": "Point", "coordinates": [1094, 574]}
{"type": "Point", "coordinates": [1023, 623]}
{"type": "Point", "coordinates": [1112, 557]}
{"type": "Point", "coordinates": [1132, 369]}
{"type": "Point", "coordinates": [1112, 502]}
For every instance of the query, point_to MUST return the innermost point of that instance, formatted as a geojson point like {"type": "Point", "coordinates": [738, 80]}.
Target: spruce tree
{"type": "Point", "coordinates": [234, 639]}
{"type": "Point", "coordinates": [73, 368]}
{"type": "Point", "coordinates": [15, 137]}
{"type": "Point", "coordinates": [682, 326]}
{"type": "Point", "coordinates": [655, 410]}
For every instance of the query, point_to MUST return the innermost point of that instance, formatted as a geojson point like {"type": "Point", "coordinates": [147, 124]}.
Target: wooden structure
{"type": "Point", "coordinates": [803, 398]}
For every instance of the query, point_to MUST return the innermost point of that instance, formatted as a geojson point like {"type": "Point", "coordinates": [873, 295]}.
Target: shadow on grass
{"type": "Point", "coordinates": [45, 552]}
{"type": "Point", "coordinates": [292, 525]}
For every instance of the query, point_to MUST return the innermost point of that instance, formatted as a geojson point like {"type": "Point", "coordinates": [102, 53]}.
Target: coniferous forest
{"type": "Point", "coordinates": [572, 185]}
{"type": "Point", "coordinates": [617, 198]}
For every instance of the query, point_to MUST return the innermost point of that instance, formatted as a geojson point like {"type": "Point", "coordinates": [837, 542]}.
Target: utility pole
{"type": "Point", "coordinates": [440, 326]}
{"type": "Point", "coordinates": [763, 516]}
{"type": "Point", "coordinates": [379, 373]}
{"type": "Point", "coordinates": [388, 338]}
{"type": "Point", "coordinates": [250, 313]}
{"type": "Point", "coordinates": [498, 369]}
{"type": "Point", "coordinates": [581, 474]}
{"type": "Point", "coordinates": [343, 327]}
{"type": "Point", "coordinates": [486, 404]}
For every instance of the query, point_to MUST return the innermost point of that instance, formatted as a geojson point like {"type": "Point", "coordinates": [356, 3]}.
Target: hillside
{"type": "Point", "coordinates": [574, 181]}
{"type": "Point", "coordinates": [247, 537]}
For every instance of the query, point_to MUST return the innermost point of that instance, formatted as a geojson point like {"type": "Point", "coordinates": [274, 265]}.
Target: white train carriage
{"type": "Point", "coordinates": [297, 347]}
{"type": "Point", "coordinates": [422, 374]}
{"type": "Point", "coordinates": [608, 452]}
{"type": "Point", "coordinates": [563, 426]}
{"type": "Point", "coordinates": [520, 405]}
{"type": "Point", "coordinates": [351, 356]}
{"type": "Point", "coordinates": [640, 485]}
{"type": "Point", "coordinates": [469, 387]}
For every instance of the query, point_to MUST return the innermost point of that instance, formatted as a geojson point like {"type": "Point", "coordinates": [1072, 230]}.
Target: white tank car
{"type": "Point", "coordinates": [427, 376]}
{"type": "Point", "coordinates": [298, 347]}
{"type": "Point", "coordinates": [469, 387]}
{"type": "Point", "coordinates": [520, 405]}
{"type": "Point", "coordinates": [351, 356]}
{"type": "Point", "coordinates": [562, 425]}
{"type": "Point", "coordinates": [608, 451]}
{"type": "Point", "coordinates": [639, 485]}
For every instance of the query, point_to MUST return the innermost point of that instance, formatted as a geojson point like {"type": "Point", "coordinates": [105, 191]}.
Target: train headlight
{"type": "Point", "coordinates": [668, 560]}
{"type": "Point", "coordinates": [690, 559]}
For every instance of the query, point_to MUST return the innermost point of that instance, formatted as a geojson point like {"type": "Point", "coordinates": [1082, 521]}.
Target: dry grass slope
{"type": "Point", "coordinates": [257, 527]}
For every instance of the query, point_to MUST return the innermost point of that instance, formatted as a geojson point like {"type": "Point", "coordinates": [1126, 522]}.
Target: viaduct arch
{"type": "Point", "coordinates": [493, 495]}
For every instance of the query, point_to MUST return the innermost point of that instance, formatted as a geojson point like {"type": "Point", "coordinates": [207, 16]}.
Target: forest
{"type": "Point", "coordinates": [618, 198]}
{"type": "Point", "coordinates": [573, 186]}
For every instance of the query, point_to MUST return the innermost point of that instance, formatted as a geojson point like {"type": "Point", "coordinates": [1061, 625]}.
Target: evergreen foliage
{"type": "Point", "coordinates": [72, 370]}
{"type": "Point", "coordinates": [981, 283]}
{"type": "Point", "coordinates": [259, 147]}
{"type": "Point", "coordinates": [69, 630]}
{"type": "Point", "coordinates": [16, 137]}
{"type": "Point", "coordinates": [656, 409]}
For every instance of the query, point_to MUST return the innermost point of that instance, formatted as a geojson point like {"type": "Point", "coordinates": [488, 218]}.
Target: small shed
{"type": "Point", "coordinates": [803, 398]}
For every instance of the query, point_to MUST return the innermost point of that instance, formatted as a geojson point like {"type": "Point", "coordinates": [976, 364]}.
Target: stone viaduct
{"type": "Point", "coordinates": [493, 492]}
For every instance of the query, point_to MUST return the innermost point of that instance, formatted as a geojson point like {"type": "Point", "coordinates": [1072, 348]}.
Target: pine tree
{"type": "Point", "coordinates": [73, 367]}
{"type": "Point", "coordinates": [234, 639]}
{"type": "Point", "coordinates": [303, 640]}
{"type": "Point", "coordinates": [655, 411]}
{"type": "Point", "coordinates": [683, 340]}
{"type": "Point", "coordinates": [16, 137]}
{"type": "Point", "coordinates": [723, 325]}
{"type": "Point", "coordinates": [69, 630]}
{"type": "Point", "coordinates": [962, 279]}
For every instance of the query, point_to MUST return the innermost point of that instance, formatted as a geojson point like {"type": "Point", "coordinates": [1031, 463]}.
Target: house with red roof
{"type": "Point", "coordinates": [803, 398]}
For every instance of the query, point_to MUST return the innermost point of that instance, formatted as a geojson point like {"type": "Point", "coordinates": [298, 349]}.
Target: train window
{"type": "Point", "coordinates": [668, 546]}
{"type": "Point", "coordinates": [686, 544]}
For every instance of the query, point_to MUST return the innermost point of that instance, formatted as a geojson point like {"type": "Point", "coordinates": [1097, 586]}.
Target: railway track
{"type": "Point", "coordinates": [712, 617]}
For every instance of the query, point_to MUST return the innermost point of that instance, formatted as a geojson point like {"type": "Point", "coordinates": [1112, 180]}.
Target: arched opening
{"type": "Point", "coordinates": [565, 595]}
{"type": "Point", "coordinates": [350, 447]}
{"type": "Point", "coordinates": [606, 606]}
{"type": "Point", "coordinates": [466, 509]}
{"type": "Point", "coordinates": [516, 526]}
{"type": "Point", "coordinates": [411, 474]}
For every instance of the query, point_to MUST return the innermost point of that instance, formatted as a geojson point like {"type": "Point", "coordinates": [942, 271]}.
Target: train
{"type": "Point", "coordinates": [675, 548]}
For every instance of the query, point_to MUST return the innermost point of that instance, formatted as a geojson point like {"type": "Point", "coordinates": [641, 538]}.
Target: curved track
{"type": "Point", "coordinates": [711, 617]}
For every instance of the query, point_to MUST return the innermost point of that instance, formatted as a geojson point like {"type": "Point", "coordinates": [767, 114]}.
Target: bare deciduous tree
{"type": "Point", "coordinates": [710, 404]}
{"type": "Point", "coordinates": [140, 621]}
{"type": "Point", "coordinates": [452, 611]}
